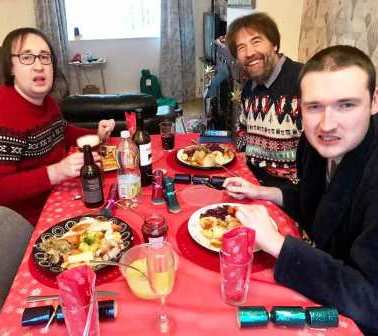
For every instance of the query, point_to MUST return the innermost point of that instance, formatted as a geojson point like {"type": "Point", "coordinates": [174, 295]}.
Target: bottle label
{"type": "Point", "coordinates": [145, 154]}
{"type": "Point", "coordinates": [156, 240]}
{"type": "Point", "coordinates": [92, 190]}
{"type": "Point", "coordinates": [129, 186]}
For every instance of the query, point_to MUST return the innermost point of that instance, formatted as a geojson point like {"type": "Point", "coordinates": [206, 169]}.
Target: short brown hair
{"type": "Point", "coordinates": [8, 42]}
{"type": "Point", "coordinates": [339, 57]}
{"type": "Point", "coordinates": [260, 22]}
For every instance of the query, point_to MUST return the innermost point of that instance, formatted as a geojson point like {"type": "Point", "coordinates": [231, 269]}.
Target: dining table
{"type": "Point", "coordinates": [195, 306]}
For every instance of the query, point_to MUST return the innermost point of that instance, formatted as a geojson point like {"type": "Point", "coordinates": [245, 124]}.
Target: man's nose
{"type": "Point", "coordinates": [251, 50]}
{"type": "Point", "coordinates": [328, 122]}
{"type": "Point", "coordinates": [37, 64]}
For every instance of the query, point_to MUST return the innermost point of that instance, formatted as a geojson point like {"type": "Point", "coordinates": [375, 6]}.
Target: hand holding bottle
{"type": "Point", "coordinates": [68, 167]}
{"type": "Point", "coordinates": [105, 128]}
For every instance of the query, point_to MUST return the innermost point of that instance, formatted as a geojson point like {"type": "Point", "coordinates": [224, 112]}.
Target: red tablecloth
{"type": "Point", "coordinates": [195, 306]}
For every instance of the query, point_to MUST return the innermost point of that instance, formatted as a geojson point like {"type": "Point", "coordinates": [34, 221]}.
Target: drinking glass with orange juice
{"type": "Point", "coordinates": [155, 274]}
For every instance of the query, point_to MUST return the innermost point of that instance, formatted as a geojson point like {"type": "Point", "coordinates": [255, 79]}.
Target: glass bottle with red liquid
{"type": "Point", "coordinates": [154, 229]}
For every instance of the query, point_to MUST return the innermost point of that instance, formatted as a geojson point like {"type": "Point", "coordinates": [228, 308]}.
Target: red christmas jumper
{"type": "Point", "coordinates": [31, 138]}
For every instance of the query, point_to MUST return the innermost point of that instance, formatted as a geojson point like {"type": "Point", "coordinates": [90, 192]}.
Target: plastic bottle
{"type": "Point", "coordinates": [128, 176]}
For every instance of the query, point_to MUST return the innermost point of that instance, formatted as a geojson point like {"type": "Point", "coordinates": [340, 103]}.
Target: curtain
{"type": "Point", "coordinates": [177, 50]}
{"type": "Point", "coordinates": [51, 19]}
{"type": "Point", "coordinates": [330, 22]}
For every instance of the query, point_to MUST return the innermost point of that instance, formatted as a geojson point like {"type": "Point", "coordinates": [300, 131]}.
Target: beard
{"type": "Point", "coordinates": [261, 75]}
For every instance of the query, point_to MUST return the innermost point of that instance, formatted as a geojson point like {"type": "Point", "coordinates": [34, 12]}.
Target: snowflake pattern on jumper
{"type": "Point", "coordinates": [18, 147]}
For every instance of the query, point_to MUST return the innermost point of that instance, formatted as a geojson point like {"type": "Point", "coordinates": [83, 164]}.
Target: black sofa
{"type": "Point", "coordinates": [87, 110]}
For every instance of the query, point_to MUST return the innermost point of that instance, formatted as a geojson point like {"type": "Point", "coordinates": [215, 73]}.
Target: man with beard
{"type": "Point", "coordinates": [270, 120]}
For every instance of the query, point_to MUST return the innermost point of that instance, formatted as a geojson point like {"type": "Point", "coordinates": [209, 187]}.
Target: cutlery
{"type": "Point", "coordinates": [38, 298]}
{"type": "Point", "coordinates": [229, 171]}
{"type": "Point", "coordinates": [46, 328]}
{"type": "Point", "coordinates": [116, 263]}
{"type": "Point", "coordinates": [107, 210]}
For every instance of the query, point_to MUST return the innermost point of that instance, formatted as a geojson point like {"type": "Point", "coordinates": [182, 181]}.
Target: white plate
{"type": "Point", "coordinates": [180, 152]}
{"type": "Point", "coordinates": [194, 226]}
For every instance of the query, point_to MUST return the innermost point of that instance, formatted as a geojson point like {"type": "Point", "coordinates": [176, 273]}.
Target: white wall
{"type": "Point", "coordinates": [125, 60]}
{"type": "Point", "coordinates": [287, 15]}
{"type": "Point", "coordinates": [15, 14]}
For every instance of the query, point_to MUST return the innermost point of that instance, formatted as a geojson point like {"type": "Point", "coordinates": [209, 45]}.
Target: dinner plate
{"type": "Point", "coordinates": [180, 152]}
{"type": "Point", "coordinates": [194, 226]}
{"type": "Point", "coordinates": [40, 257]}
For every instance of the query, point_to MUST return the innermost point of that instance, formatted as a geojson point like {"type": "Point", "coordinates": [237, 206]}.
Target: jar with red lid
{"type": "Point", "coordinates": [154, 229]}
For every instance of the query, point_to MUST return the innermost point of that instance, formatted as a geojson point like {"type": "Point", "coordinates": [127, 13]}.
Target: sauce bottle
{"type": "Point", "coordinates": [154, 229]}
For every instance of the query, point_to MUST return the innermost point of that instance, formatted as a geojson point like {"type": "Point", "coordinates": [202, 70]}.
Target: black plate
{"type": "Point", "coordinates": [184, 163]}
{"type": "Point", "coordinates": [41, 259]}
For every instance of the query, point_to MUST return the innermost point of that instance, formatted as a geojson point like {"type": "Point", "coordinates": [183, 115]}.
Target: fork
{"type": "Point", "coordinates": [228, 171]}
{"type": "Point", "coordinates": [116, 263]}
{"type": "Point", "coordinates": [38, 298]}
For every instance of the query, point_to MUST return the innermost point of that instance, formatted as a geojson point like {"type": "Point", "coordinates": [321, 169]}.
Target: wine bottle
{"type": "Point", "coordinates": [143, 140]}
{"type": "Point", "coordinates": [91, 181]}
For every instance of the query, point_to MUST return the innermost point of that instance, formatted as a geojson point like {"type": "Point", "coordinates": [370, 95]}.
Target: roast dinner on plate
{"type": "Point", "coordinates": [209, 155]}
{"type": "Point", "coordinates": [88, 239]}
{"type": "Point", "coordinates": [216, 222]}
{"type": "Point", "coordinates": [207, 225]}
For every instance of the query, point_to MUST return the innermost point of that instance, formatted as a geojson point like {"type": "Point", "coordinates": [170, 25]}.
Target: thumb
{"type": "Point", "coordinates": [241, 215]}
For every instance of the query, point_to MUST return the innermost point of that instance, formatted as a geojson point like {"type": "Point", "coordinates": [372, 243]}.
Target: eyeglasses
{"type": "Point", "coordinates": [29, 59]}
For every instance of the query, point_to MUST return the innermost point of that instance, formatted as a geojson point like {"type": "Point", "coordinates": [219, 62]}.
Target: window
{"type": "Point", "coordinates": [112, 19]}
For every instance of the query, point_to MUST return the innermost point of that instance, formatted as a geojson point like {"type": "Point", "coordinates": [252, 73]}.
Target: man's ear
{"type": "Point", "coordinates": [374, 102]}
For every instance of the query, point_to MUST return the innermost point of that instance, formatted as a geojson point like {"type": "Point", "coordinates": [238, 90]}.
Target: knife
{"type": "Point", "coordinates": [38, 298]}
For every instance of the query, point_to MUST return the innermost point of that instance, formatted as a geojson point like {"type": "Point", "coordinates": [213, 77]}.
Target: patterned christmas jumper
{"type": "Point", "coordinates": [270, 122]}
{"type": "Point", "coordinates": [32, 137]}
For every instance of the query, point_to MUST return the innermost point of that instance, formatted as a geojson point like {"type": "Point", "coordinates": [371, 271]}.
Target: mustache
{"type": "Point", "coordinates": [255, 57]}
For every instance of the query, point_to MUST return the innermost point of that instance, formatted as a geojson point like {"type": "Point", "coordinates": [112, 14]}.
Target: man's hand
{"type": "Point", "coordinates": [257, 218]}
{"type": "Point", "coordinates": [68, 167]}
{"type": "Point", "coordinates": [105, 128]}
{"type": "Point", "coordinates": [240, 188]}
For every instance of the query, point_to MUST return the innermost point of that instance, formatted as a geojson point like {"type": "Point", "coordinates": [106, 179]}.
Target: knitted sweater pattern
{"type": "Point", "coordinates": [270, 122]}
{"type": "Point", "coordinates": [31, 138]}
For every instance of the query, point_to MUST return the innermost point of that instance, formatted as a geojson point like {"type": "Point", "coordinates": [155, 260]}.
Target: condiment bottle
{"type": "Point", "coordinates": [154, 229]}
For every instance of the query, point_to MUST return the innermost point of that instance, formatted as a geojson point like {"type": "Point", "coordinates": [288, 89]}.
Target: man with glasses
{"type": "Point", "coordinates": [29, 59]}
{"type": "Point", "coordinates": [33, 136]}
